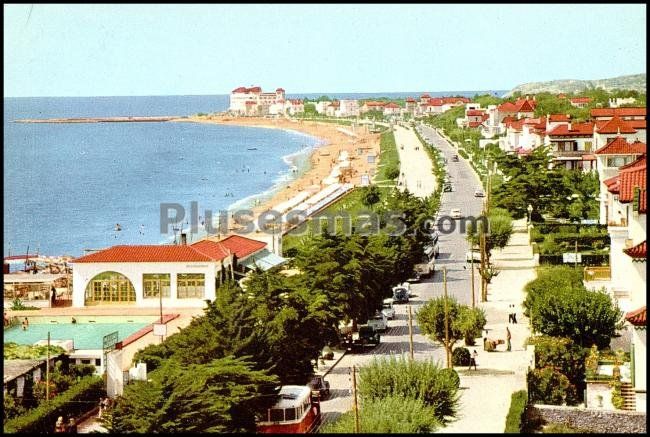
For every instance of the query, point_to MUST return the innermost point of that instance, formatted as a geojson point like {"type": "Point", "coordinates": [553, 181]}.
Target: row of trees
{"type": "Point", "coordinates": [268, 333]}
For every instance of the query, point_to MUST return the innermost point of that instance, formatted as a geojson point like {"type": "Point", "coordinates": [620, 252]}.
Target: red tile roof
{"type": "Point", "coordinates": [371, 103]}
{"type": "Point", "coordinates": [620, 146]}
{"type": "Point", "coordinates": [242, 246]}
{"type": "Point", "coordinates": [425, 96]}
{"type": "Point", "coordinates": [637, 252]}
{"type": "Point", "coordinates": [150, 253]}
{"type": "Point", "coordinates": [621, 112]}
{"type": "Point", "coordinates": [475, 123]}
{"type": "Point", "coordinates": [526, 106]}
{"type": "Point", "coordinates": [475, 112]}
{"type": "Point", "coordinates": [455, 100]}
{"type": "Point", "coordinates": [410, 100]}
{"type": "Point", "coordinates": [245, 90]}
{"type": "Point", "coordinates": [507, 107]}
{"type": "Point", "coordinates": [435, 102]}
{"type": "Point", "coordinates": [637, 124]}
{"type": "Point", "coordinates": [580, 100]}
{"type": "Point", "coordinates": [577, 130]}
{"type": "Point", "coordinates": [559, 117]}
{"type": "Point", "coordinates": [613, 126]}
{"type": "Point", "coordinates": [392, 105]}
{"type": "Point", "coordinates": [201, 251]}
{"type": "Point", "coordinates": [630, 178]}
{"type": "Point", "coordinates": [279, 89]}
{"type": "Point", "coordinates": [637, 317]}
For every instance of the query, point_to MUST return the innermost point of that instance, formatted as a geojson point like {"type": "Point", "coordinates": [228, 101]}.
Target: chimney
{"type": "Point", "coordinates": [183, 239]}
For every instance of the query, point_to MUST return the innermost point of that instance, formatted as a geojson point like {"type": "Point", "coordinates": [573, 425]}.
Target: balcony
{"type": "Point", "coordinates": [621, 223]}
{"type": "Point", "coordinates": [603, 273]}
{"type": "Point", "coordinates": [570, 153]}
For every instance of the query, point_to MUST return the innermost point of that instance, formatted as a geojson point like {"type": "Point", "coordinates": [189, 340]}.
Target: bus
{"type": "Point", "coordinates": [297, 411]}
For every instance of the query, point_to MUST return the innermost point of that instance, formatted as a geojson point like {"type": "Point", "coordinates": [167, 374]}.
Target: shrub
{"type": "Point", "coordinates": [563, 355]}
{"type": "Point", "coordinates": [471, 323]}
{"type": "Point", "coordinates": [518, 403]}
{"type": "Point", "coordinates": [392, 414]}
{"type": "Point", "coordinates": [462, 153]}
{"type": "Point", "coordinates": [422, 380]}
{"type": "Point", "coordinates": [74, 401]}
{"type": "Point", "coordinates": [460, 357]}
{"type": "Point", "coordinates": [548, 386]}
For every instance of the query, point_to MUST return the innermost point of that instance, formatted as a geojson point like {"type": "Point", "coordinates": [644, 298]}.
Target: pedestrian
{"type": "Point", "coordinates": [72, 426]}
{"type": "Point", "coordinates": [514, 315]}
{"type": "Point", "coordinates": [508, 337]}
{"type": "Point", "coordinates": [74, 321]}
{"type": "Point", "coordinates": [472, 360]}
{"type": "Point", "coordinates": [25, 324]}
{"type": "Point", "coordinates": [53, 295]}
{"type": "Point", "coordinates": [59, 426]}
{"type": "Point", "coordinates": [7, 320]}
{"type": "Point", "coordinates": [101, 408]}
{"type": "Point", "coordinates": [510, 313]}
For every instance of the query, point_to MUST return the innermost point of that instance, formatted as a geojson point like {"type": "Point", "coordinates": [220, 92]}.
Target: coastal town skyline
{"type": "Point", "coordinates": [91, 50]}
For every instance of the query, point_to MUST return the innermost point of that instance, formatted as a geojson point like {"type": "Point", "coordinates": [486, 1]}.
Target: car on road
{"type": "Point", "coordinates": [454, 158]}
{"type": "Point", "coordinates": [479, 192]}
{"type": "Point", "coordinates": [455, 213]}
{"type": "Point", "coordinates": [400, 295]}
{"type": "Point", "coordinates": [387, 308]}
{"type": "Point", "coordinates": [318, 384]}
{"type": "Point", "coordinates": [379, 321]}
{"type": "Point", "coordinates": [474, 254]}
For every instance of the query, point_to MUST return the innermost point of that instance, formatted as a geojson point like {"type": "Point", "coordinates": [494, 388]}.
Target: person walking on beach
{"type": "Point", "coordinates": [472, 360]}
{"type": "Point", "coordinates": [508, 338]}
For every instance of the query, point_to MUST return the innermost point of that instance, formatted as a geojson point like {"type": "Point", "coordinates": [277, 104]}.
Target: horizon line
{"type": "Point", "coordinates": [226, 94]}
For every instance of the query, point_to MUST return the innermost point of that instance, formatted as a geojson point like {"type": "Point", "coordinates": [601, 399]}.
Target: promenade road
{"type": "Point", "coordinates": [416, 171]}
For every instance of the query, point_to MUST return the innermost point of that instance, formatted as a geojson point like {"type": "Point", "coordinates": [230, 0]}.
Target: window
{"type": "Point", "coordinates": [289, 414]}
{"type": "Point", "coordinates": [98, 361]}
{"type": "Point", "coordinates": [85, 361]}
{"type": "Point", "coordinates": [588, 146]}
{"type": "Point", "coordinates": [276, 415]}
{"type": "Point", "coordinates": [154, 282]}
{"type": "Point", "coordinates": [191, 285]}
{"type": "Point", "coordinates": [109, 287]}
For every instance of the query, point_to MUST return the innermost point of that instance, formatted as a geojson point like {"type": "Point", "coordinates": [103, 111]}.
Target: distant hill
{"type": "Point", "coordinates": [631, 82]}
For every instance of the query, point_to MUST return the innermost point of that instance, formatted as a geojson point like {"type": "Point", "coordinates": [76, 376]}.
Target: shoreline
{"type": "Point", "coordinates": [318, 163]}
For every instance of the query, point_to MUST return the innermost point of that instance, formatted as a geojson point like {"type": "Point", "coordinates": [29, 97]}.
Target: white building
{"type": "Point", "coordinates": [252, 101]}
{"type": "Point", "coordinates": [187, 275]}
{"type": "Point", "coordinates": [617, 102]}
{"type": "Point", "coordinates": [348, 108]}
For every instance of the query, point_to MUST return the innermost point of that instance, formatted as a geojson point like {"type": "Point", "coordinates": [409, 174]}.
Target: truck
{"type": "Point", "coordinates": [400, 294]}
{"type": "Point", "coordinates": [366, 337]}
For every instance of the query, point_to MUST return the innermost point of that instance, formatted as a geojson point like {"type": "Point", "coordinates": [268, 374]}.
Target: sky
{"type": "Point", "coordinates": [177, 49]}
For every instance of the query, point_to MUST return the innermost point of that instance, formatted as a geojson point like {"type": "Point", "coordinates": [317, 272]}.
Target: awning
{"type": "Point", "coordinates": [264, 260]}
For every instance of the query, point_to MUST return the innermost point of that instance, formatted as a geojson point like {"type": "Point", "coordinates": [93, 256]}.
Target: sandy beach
{"type": "Point", "coordinates": [322, 159]}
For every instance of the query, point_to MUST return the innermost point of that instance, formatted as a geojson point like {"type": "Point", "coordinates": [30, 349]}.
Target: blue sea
{"type": "Point", "coordinates": [66, 186]}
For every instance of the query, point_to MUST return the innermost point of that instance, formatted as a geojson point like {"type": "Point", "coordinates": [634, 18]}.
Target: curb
{"type": "Point", "coordinates": [335, 363]}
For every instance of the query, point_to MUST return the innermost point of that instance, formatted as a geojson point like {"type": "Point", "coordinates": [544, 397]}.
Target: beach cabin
{"type": "Point", "coordinates": [185, 275]}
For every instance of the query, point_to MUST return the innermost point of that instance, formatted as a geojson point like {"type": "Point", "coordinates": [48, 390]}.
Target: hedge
{"type": "Point", "coordinates": [518, 403]}
{"type": "Point", "coordinates": [587, 260]}
{"type": "Point", "coordinates": [462, 153]}
{"type": "Point", "coordinates": [75, 401]}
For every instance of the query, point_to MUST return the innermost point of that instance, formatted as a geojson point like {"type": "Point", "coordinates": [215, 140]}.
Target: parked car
{"type": "Point", "coordinates": [475, 254]}
{"type": "Point", "coordinates": [387, 308]}
{"type": "Point", "coordinates": [455, 213]}
{"type": "Point", "coordinates": [318, 384]}
{"type": "Point", "coordinates": [415, 277]}
{"type": "Point", "coordinates": [400, 294]}
{"type": "Point", "coordinates": [379, 322]}
{"type": "Point", "coordinates": [479, 192]}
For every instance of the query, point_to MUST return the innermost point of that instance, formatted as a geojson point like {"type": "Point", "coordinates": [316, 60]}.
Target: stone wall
{"type": "Point", "coordinates": [591, 419]}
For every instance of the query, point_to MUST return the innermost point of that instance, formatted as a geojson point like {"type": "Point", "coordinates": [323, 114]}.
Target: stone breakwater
{"type": "Point", "coordinates": [101, 119]}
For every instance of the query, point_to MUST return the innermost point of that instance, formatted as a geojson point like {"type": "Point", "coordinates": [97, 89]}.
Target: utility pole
{"type": "Point", "coordinates": [356, 404]}
{"type": "Point", "coordinates": [575, 261]}
{"type": "Point", "coordinates": [471, 261]}
{"type": "Point", "coordinates": [444, 281]}
{"type": "Point", "coordinates": [483, 268]}
{"type": "Point", "coordinates": [410, 332]}
{"type": "Point", "coordinates": [47, 370]}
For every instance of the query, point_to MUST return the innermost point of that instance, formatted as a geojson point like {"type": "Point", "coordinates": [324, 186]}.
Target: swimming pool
{"type": "Point", "coordinates": [87, 333]}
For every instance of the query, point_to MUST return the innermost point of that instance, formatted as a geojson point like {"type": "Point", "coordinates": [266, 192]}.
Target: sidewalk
{"type": "Point", "coordinates": [486, 393]}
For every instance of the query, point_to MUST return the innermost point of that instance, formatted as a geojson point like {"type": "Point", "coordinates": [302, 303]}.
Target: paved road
{"type": "Point", "coordinates": [416, 170]}
{"type": "Point", "coordinates": [453, 247]}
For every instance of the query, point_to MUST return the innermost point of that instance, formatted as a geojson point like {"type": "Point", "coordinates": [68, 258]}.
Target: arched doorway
{"type": "Point", "coordinates": [109, 288]}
